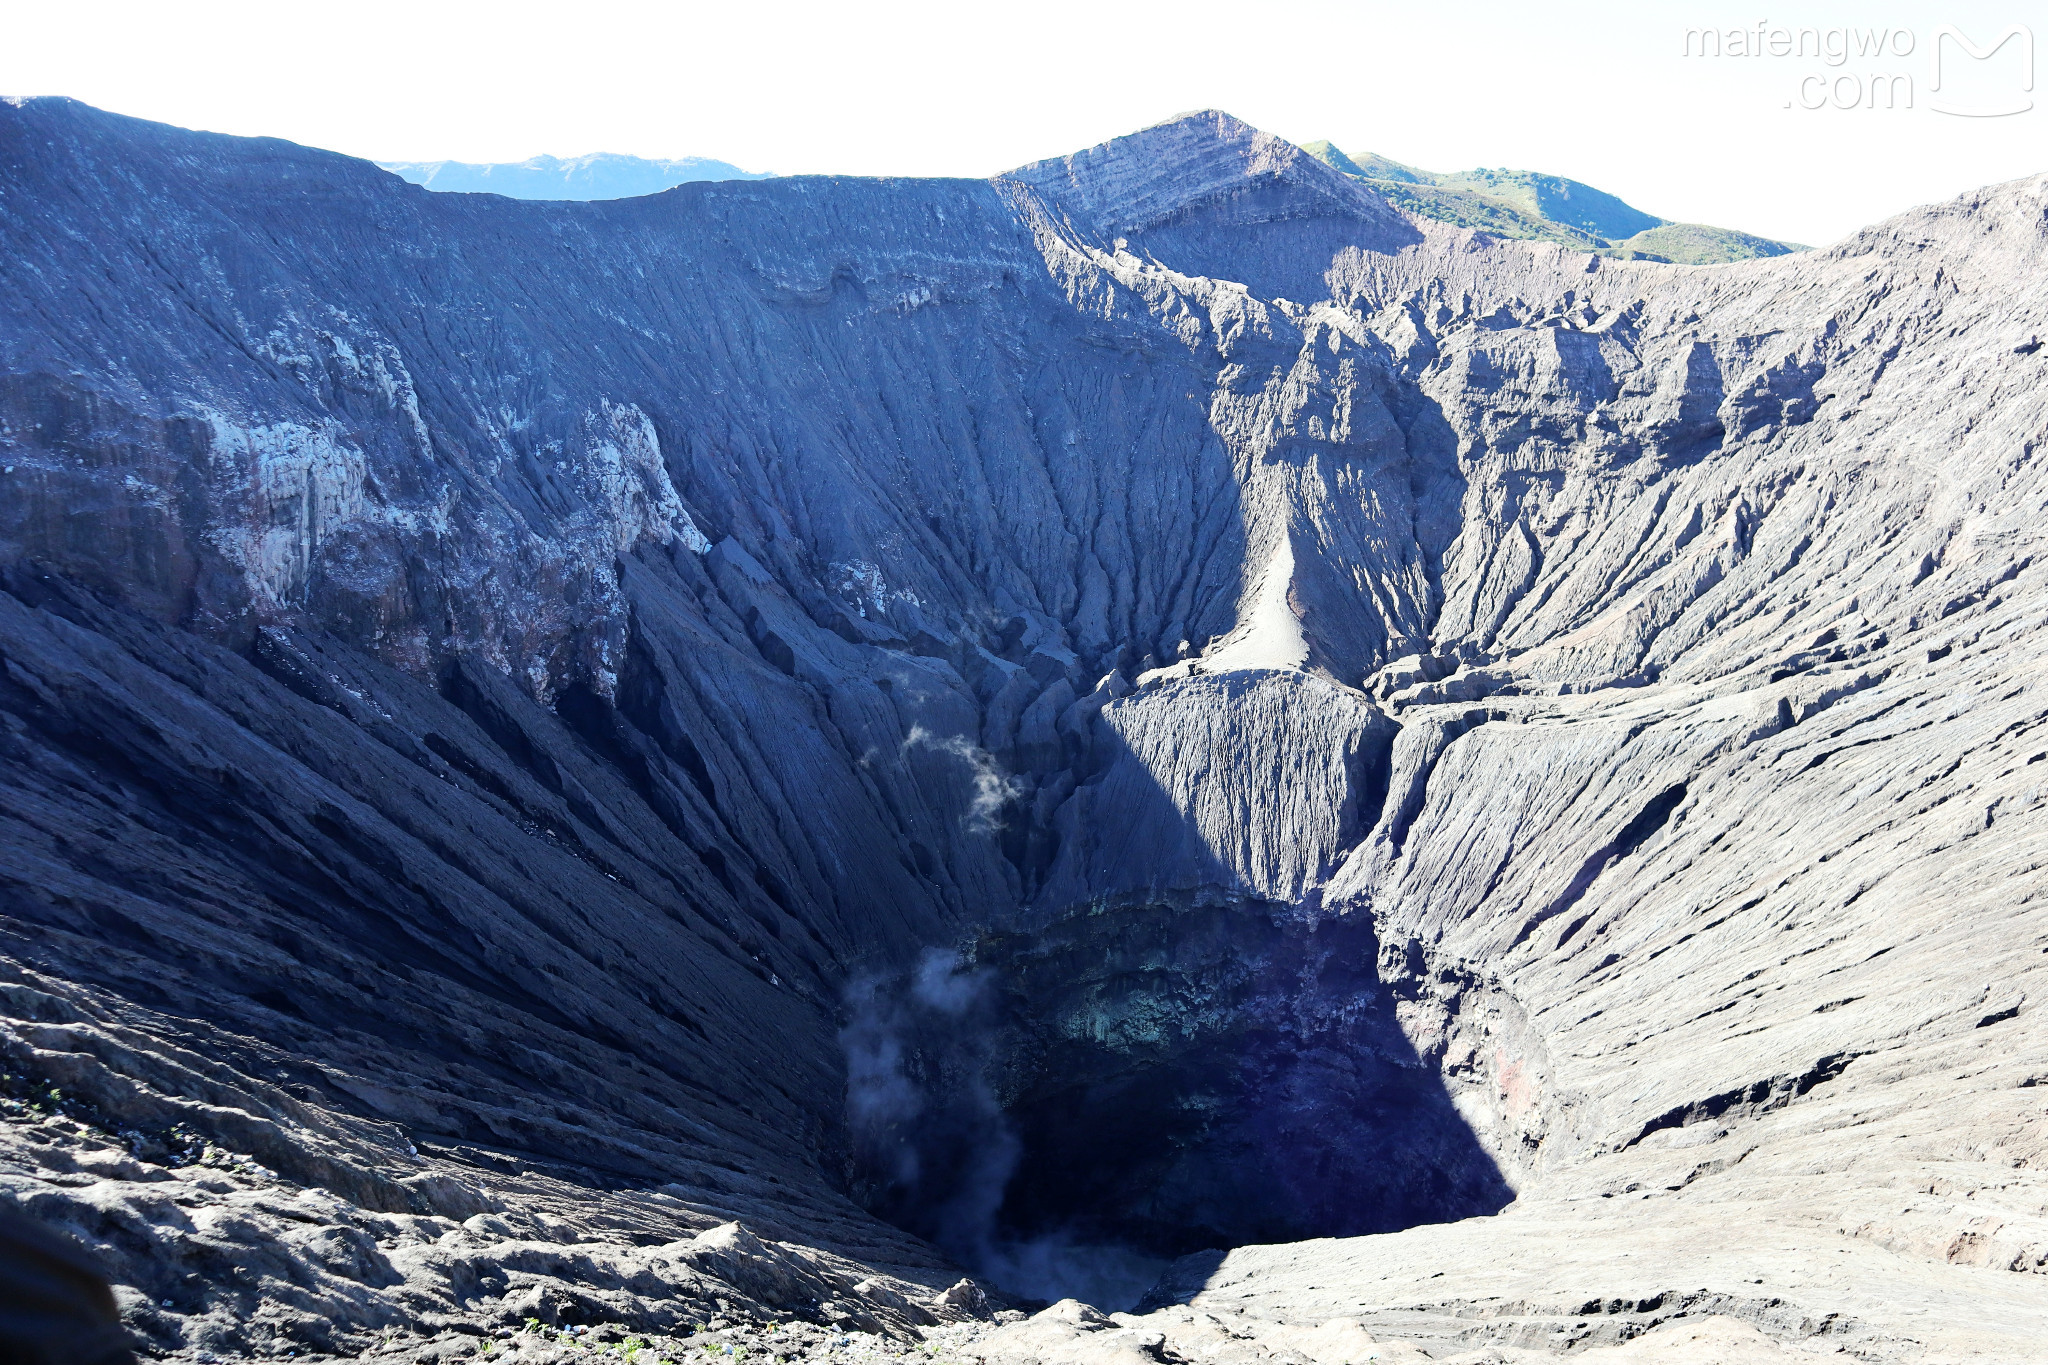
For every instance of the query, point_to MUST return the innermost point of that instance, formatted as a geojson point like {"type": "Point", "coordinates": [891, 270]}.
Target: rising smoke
{"type": "Point", "coordinates": [933, 1149]}
{"type": "Point", "coordinates": [993, 788]}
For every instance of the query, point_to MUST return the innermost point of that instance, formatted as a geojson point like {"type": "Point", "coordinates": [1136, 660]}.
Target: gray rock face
{"type": "Point", "coordinates": [1223, 713]}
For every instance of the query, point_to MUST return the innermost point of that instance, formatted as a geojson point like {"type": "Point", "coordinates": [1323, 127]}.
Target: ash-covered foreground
{"type": "Point", "coordinates": [556, 760]}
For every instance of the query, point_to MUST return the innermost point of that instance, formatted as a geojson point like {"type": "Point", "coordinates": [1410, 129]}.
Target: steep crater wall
{"type": "Point", "coordinates": [1151, 701]}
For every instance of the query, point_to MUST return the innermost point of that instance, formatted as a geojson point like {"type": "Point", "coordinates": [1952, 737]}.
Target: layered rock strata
{"type": "Point", "coordinates": [1150, 701]}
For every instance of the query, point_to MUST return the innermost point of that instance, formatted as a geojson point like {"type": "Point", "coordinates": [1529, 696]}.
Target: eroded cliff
{"type": "Point", "coordinates": [1153, 702]}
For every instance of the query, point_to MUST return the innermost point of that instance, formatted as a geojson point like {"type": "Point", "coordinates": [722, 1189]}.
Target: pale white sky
{"type": "Point", "coordinates": [1600, 92]}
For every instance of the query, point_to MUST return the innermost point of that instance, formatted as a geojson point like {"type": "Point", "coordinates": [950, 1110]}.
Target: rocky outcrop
{"type": "Point", "coordinates": [1155, 700]}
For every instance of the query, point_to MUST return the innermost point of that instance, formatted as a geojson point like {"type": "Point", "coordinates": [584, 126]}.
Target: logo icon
{"type": "Point", "coordinates": [1993, 105]}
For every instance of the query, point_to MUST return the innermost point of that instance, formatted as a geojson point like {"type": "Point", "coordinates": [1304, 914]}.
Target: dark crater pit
{"type": "Point", "coordinates": [1077, 1101]}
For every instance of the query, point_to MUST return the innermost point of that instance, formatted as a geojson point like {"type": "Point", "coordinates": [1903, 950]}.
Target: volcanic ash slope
{"type": "Point", "coordinates": [1280, 719]}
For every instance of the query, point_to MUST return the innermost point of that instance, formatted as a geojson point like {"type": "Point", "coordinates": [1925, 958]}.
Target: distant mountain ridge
{"type": "Point", "coordinates": [1535, 206]}
{"type": "Point", "coordinates": [600, 175]}
{"type": "Point", "coordinates": [1528, 205]}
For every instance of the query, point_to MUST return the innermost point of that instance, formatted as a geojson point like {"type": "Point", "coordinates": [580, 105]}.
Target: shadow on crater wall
{"type": "Point", "coordinates": [1160, 1071]}
{"type": "Point", "coordinates": [1213, 1076]}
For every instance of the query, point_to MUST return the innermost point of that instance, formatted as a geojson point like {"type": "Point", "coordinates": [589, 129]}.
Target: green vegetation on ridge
{"type": "Point", "coordinates": [1532, 206]}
